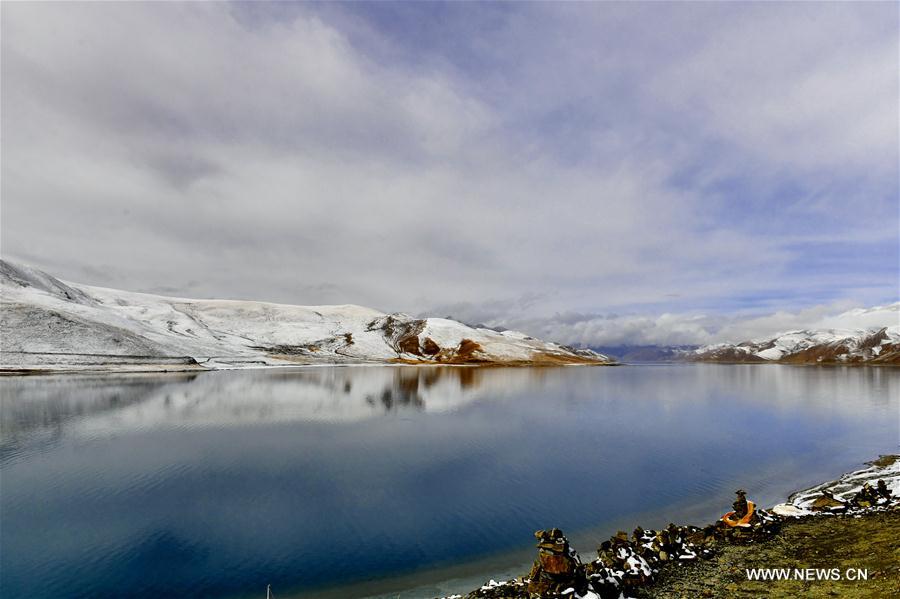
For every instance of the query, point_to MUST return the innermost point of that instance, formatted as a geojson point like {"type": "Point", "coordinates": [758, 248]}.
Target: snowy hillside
{"type": "Point", "coordinates": [875, 345]}
{"type": "Point", "coordinates": [46, 323]}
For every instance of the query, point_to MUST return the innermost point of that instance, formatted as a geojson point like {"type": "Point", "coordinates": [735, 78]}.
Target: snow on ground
{"type": "Point", "coordinates": [49, 323]}
{"type": "Point", "coordinates": [842, 489]}
{"type": "Point", "coordinates": [506, 345]}
{"type": "Point", "coordinates": [831, 345]}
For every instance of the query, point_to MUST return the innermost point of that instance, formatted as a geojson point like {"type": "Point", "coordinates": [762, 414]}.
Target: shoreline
{"type": "Point", "coordinates": [188, 364]}
{"type": "Point", "coordinates": [847, 556]}
{"type": "Point", "coordinates": [199, 367]}
{"type": "Point", "coordinates": [838, 509]}
{"type": "Point", "coordinates": [451, 579]}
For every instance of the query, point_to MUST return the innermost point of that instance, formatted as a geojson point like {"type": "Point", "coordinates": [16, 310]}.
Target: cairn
{"type": "Point", "coordinates": [746, 522]}
{"type": "Point", "coordinates": [869, 496]}
{"type": "Point", "coordinates": [624, 565]}
{"type": "Point", "coordinates": [558, 567]}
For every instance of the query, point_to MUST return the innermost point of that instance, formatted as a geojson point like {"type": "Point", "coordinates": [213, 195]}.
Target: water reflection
{"type": "Point", "coordinates": [349, 394]}
{"type": "Point", "coordinates": [122, 402]}
{"type": "Point", "coordinates": [214, 483]}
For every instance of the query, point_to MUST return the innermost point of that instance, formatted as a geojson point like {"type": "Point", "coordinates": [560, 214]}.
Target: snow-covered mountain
{"type": "Point", "coordinates": [875, 345]}
{"type": "Point", "coordinates": [48, 324]}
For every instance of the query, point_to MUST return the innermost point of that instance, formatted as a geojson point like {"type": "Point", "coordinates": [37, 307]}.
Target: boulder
{"type": "Point", "coordinates": [827, 502]}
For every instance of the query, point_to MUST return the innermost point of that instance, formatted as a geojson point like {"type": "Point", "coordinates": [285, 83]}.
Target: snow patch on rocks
{"type": "Point", "coordinates": [875, 345]}
{"type": "Point", "coordinates": [846, 490]}
{"type": "Point", "coordinates": [48, 324]}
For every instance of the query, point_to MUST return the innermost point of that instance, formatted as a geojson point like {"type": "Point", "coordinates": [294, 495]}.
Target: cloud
{"type": "Point", "coordinates": [781, 95]}
{"type": "Point", "coordinates": [668, 329]}
{"type": "Point", "coordinates": [507, 161]}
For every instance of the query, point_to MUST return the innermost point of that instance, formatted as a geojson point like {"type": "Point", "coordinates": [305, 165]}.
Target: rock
{"type": "Point", "coordinates": [747, 523]}
{"type": "Point", "coordinates": [409, 345]}
{"type": "Point", "coordinates": [740, 505]}
{"type": "Point", "coordinates": [557, 568]}
{"type": "Point", "coordinates": [827, 502]}
{"type": "Point", "coordinates": [869, 496]}
{"type": "Point", "coordinates": [511, 589]}
{"type": "Point", "coordinates": [429, 347]}
{"type": "Point", "coordinates": [560, 565]}
{"type": "Point", "coordinates": [788, 510]}
{"type": "Point", "coordinates": [624, 564]}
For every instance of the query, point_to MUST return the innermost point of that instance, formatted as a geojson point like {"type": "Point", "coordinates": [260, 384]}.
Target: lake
{"type": "Point", "coordinates": [404, 481]}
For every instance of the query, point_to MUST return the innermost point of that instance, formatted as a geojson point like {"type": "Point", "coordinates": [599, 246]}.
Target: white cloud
{"type": "Point", "coordinates": [573, 160]}
{"type": "Point", "coordinates": [810, 86]}
{"type": "Point", "coordinates": [692, 328]}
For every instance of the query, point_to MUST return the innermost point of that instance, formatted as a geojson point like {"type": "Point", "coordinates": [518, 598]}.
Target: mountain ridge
{"type": "Point", "coordinates": [876, 345]}
{"type": "Point", "coordinates": [47, 324]}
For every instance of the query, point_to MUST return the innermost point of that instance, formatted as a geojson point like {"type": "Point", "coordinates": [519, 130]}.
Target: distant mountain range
{"type": "Point", "coordinates": [646, 353]}
{"type": "Point", "coordinates": [47, 324]}
{"type": "Point", "coordinates": [873, 345]}
{"type": "Point", "coordinates": [834, 346]}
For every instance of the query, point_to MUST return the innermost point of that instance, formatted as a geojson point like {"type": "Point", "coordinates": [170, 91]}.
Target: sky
{"type": "Point", "coordinates": [597, 173]}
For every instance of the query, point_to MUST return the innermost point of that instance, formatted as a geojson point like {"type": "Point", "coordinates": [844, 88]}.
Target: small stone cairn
{"type": "Point", "coordinates": [746, 523]}
{"type": "Point", "coordinates": [625, 564]}
{"type": "Point", "coordinates": [866, 498]}
{"type": "Point", "coordinates": [558, 568]}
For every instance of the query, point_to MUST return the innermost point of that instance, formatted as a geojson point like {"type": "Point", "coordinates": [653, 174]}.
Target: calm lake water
{"type": "Point", "coordinates": [400, 480]}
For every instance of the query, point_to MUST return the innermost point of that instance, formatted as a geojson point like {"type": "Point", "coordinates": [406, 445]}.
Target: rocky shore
{"type": "Point", "coordinates": [819, 538]}
{"type": "Point", "coordinates": [834, 546]}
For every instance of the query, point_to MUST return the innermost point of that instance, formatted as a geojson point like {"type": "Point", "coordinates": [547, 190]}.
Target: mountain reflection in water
{"type": "Point", "coordinates": [215, 484]}
{"type": "Point", "coordinates": [121, 402]}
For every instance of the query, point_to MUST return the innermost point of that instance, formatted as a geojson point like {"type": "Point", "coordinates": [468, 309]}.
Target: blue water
{"type": "Point", "coordinates": [217, 484]}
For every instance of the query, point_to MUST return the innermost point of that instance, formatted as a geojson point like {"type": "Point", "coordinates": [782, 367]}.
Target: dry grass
{"type": "Point", "coordinates": [870, 542]}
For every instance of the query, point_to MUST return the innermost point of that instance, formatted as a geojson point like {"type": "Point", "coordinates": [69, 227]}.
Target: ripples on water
{"type": "Point", "coordinates": [216, 484]}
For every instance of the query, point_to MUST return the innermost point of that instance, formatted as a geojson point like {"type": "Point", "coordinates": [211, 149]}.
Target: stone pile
{"type": "Point", "coordinates": [510, 589]}
{"type": "Point", "coordinates": [558, 568]}
{"type": "Point", "coordinates": [557, 574]}
{"type": "Point", "coordinates": [870, 496]}
{"type": "Point", "coordinates": [746, 522]}
{"type": "Point", "coordinates": [867, 497]}
{"type": "Point", "coordinates": [625, 564]}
